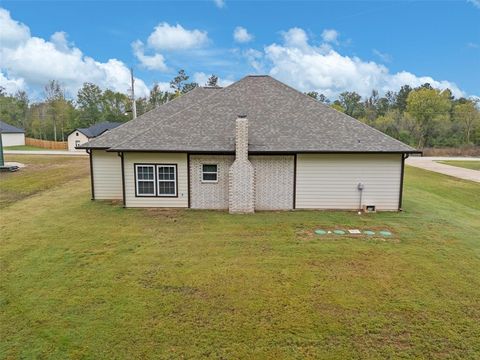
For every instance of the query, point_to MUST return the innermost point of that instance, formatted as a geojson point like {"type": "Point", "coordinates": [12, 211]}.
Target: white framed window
{"type": "Point", "coordinates": [210, 173]}
{"type": "Point", "coordinates": [167, 180]}
{"type": "Point", "coordinates": [77, 143]}
{"type": "Point", "coordinates": [144, 180]}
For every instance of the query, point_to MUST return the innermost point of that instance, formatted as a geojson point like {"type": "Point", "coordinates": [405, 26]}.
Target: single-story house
{"type": "Point", "coordinates": [82, 135]}
{"type": "Point", "coordinates": [257, 144]}
{"type": "Point", "coordinates": [11, 135]}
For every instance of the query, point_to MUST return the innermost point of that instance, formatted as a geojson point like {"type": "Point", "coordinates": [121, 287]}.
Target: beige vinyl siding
{"type": "Point", "coordinates": [180, 159]}
{"type": "Point", "coordinates": [329, 181]}
{"type": "Point", "coordinates": [74, 137]}
{"type": "Point", "coordinates": [107, 175]}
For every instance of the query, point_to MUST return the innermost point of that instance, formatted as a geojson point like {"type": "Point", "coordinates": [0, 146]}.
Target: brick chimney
{"type": "Point", "coordinates": [241, 192]}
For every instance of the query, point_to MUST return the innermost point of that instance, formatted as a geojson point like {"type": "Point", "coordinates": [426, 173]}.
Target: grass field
{"type": "Point", "coordinates": [91, 280]}
{"type": "Point", "coordinates": [468, 164]}
{"type": "Point", "coordinates": [23, 147]}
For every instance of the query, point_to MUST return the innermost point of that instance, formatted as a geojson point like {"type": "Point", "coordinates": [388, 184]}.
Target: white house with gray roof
{"type": "Point", "coordinates": [82, 135]}
{"type": "Point", "coordinates": [11, 135]}
{"type": "Point", "coordinates": [257, 144]}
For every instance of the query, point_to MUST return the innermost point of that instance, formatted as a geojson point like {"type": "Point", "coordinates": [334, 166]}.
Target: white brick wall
{"type": "Point", "coordinates": [273, 182]}
{"type": "Point", "coordinates": [241, 195]}
{"type": "Point", "coordinates": [209, 195]}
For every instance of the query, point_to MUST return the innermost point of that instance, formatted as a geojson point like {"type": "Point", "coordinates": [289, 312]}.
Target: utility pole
{"type": "Point", "coordinates": [134, 105]}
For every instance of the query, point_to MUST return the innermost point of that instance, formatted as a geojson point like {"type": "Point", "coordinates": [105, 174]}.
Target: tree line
{"type": "Point", "coordinates": [422, 116]}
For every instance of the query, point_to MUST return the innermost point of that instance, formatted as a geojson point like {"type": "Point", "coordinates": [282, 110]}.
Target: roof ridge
{"type": "Point", "coordinates": [187, 108]}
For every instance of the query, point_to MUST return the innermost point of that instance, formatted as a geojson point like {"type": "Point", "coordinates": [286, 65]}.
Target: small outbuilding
{"type": "Point", "coordinates": [11, 135]}
{"type": "Point", "coordinates": [82, 135]}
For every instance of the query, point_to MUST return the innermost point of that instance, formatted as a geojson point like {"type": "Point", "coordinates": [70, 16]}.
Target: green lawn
{"type": "Point", "coordinates": [23, 147]}
{"type": "Point", "coordinates": [91, 280]}
{"type": "Point", "coordinates": [467, 164]}
{"type": "Point", "coordinates": [42, 173]}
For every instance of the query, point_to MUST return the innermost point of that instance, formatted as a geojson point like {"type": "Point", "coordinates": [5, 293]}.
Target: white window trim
{"type": "Point", "coordinates": [210, 172]}
{"type": "Point", "coordinates": [174, 180]}
{"type": "Point", "coordinates": [137, 180]}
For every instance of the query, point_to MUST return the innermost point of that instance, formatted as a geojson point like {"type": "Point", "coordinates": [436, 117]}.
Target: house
{"type": "Point", "coordinates": [83, 135]}
{"type": "Point", "coordinates": [257, 144]}
{"type": "Point", "coordinates": [11, 135]}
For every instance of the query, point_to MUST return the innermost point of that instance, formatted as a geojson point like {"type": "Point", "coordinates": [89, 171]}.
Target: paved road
{"type": "Point", "coordinates": [45, 152]}
{"type": "Point", "coordinates": [430, 163]}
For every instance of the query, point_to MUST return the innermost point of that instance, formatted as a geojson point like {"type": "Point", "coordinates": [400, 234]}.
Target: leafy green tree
{"type": "Point", "coordinates": [351, 102]}
{"type": "Point", "coordinates": [468, 115]}
{"type": "Point", "coordinates": [115, 106]}
{"type": "Point", "coordinates": [89, 102]}
{"type": "Point", "coordinates": [212, 81]}
{"type": "Point", "coordinates": [428, 107]}
{"type": "Point", "coordinates": [178, 82]}
{"type": "Point", "coordinates": [401, 98]}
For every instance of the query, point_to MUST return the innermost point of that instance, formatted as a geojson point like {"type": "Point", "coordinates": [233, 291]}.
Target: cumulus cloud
{"type": "Point", "coordinates": [34, 61]}
{"type": "Point", "coordinates": [319, 68]}
{"type": "Point", "coordinates": [201, 79]}
{"type": "Point", "coordinates": [13, 32]}
{"type": "Point", "coordinates": [241, 35]}
{"type": "Point", "coordinates": [170, 37]}
{"type": "Point", "coordinates": [11, 85]}
{"type": "Point", "coordinates": [150, 62]}
{"type": "Point", "coordinates": [330, 35]}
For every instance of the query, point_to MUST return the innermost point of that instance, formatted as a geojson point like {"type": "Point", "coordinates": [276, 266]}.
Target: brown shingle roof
{"type": "Point", "coordinates": [281, 119]}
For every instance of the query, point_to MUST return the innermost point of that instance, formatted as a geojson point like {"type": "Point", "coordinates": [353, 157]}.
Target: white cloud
{"type": "Point", "coordinates": [169, 37]}
{"type": "Point", "coordinates": [150, 62]}
{"type": "Point", "coordinates": [201, 79]}
{"type": "Point", "coordinates": [255, 59]}
{"type": "Point", "coordinates": [307, 67]}
{"type": "Point", "coordinates": [13, 32]}
{"type": "Point", "coordinates": [475, 3]}
{"type": "Point", "coordinates": [219, 3]}
{"type": "Point", "coordinates": [330, 35]}
{"type": "Point", "coordinates": [33, 61]}
{"type": "Point", "coordinates": [11, 85]}
{"type": "Point", "coordinates": [241, 35]}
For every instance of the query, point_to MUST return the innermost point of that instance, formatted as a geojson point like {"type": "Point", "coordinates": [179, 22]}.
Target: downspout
{"type": "Point", "coordinates": [123, 177]}
{"type": "Point", "coordinates": [400, 199]}
{"type": "Point", "coordinates": [92, 185]}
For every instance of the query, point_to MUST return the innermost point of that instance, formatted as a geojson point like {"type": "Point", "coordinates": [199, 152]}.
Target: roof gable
{"type": "Point", "coordinates": [281, 119]}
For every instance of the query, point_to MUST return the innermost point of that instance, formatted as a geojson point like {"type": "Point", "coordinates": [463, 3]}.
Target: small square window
{"type": "Point", "coordinates": [209, 173]}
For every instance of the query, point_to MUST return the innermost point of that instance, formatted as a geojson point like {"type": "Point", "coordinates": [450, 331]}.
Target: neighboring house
{"type": "Point", "coordinates": [11, 135]}
{"type": "Point", "coordinates": [82, 135]}
{"type": "Point", "coordinates": [257, 144]}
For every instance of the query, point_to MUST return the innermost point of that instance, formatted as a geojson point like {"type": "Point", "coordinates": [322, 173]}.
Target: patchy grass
{"type": "Point", "coordinates": [24, 147]}
{"type": "Point", "coordinates": [467, 164]}
{"type": "Point", "coordinates": [41, 173]}
{"type": "Point", "coordinates": [88, 280]}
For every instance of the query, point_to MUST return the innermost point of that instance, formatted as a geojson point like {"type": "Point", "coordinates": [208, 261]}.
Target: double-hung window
{"type": "Point", "coordinates": [209, 173]}
{"type": "Point", "coordinates": [167, 180]}
{"type": "Point", "coordinates": [145, 180]}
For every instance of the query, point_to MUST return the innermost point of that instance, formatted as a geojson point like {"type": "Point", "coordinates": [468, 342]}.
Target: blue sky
{"type": "Point", "coordinates": [314, 45]}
